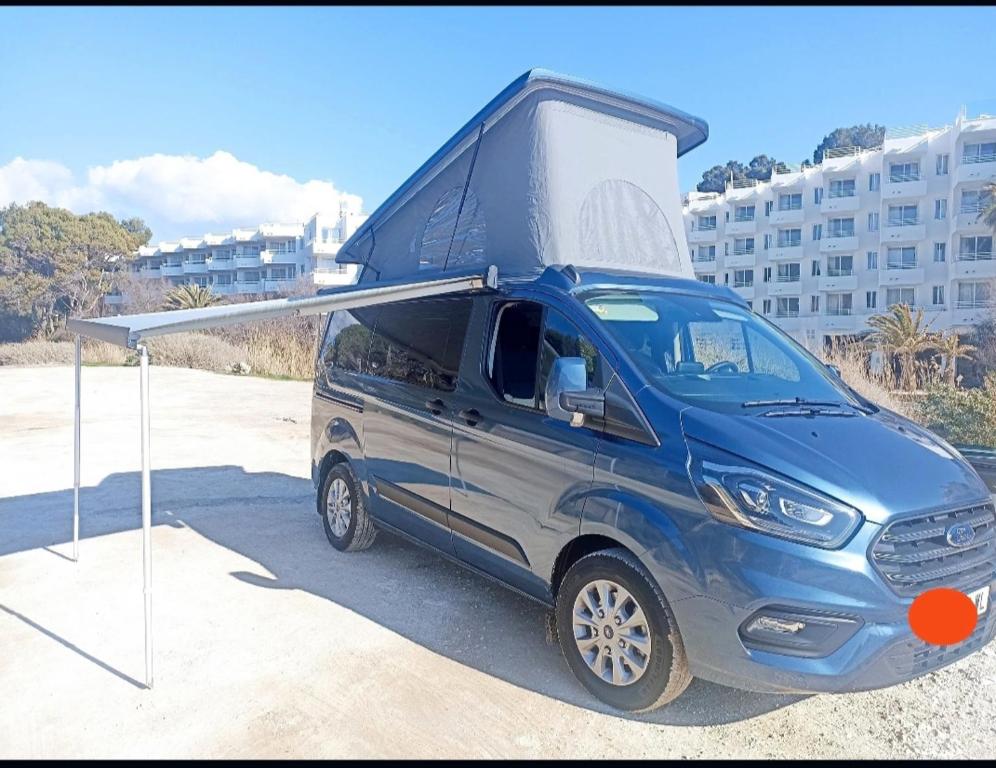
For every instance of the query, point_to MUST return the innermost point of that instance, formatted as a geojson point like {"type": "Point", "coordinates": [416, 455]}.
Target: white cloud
{"type": "Point", "coordinates": [177, 195]}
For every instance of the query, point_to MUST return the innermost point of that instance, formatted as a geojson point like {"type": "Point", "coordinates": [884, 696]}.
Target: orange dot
{"type": "Point", "coordinates": [943, 616]}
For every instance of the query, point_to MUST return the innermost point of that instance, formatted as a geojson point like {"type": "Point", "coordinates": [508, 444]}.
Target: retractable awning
{"type": "Point", "coordinates": [131, 330]}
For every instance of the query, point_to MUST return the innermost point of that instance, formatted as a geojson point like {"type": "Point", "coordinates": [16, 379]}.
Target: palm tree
{"type": "Point", "coordinates": [190, 296]}
{"type": "Point", "coordinates": [904, 335]}
{"type": "Point", "coordinates": [988, 214]}
{"type": "Point", "coordinates": [950, 346]}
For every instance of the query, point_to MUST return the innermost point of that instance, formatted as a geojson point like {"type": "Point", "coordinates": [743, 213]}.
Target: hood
{"type": "Point", "coordinates": [881, 464]}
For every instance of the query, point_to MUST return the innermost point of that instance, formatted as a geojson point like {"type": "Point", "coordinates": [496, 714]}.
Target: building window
{"type": "Point", "coordinates": [816, 268]}
{"type": "Point", "coordinates": [817, 231]}
{"type": "Point", "coordinates": [842, 188]}
{"type": "Point", "coordinates": [873, 221]}
{"type": "Point", "coordinates": [711, 279]}
{"type": "Point", "coordinates": [975, 248]}
{"type": "Point", "coordinates": [743, 246]}
{"type": "Point", "coordinates": [901, 172]}
{"type": "Point", "coordinates": [705, 253]}
{"type": "Point", "coordinates": [900, 296]}
{"type": "Point", "coordinates": [979, 153]}
{"type": "Point", "coordinates": [942, 165]}
{"type": "Point", "coordinates": [874, 181]}
{"type": "Point", "coordinates": [872, 259]}
{"type": "Point", "coordinates": [840, 266]}
{"type": "Point", "coordinates": [814, 304]}
{"type": "Point", "coordinates": [750, 305]}
{"type": "Point", "coordinates": [841, 228]}
{"type": "Point", "coordinates": [975, 200]}
{"type": "Point", "coordinates": [903, 215]}
{"type": "Point", "coordinates": [744, 213]}
{"type": "Point", "coordinates": [871, 299]}
{"type": "Point", "coordinates": [788, 273]}
{"type": "Point", "coordinates": [789, 238]}
{"type": "Point", "coordinates": [768, 205]}
{"type": "Point", "coordinates": [790, 202]}
{"type": "Point", "coordinates": [940, 208]}
{"type": "Point", "coordinates": [767, 275]}
{"type": "Point", "coordinates": [901, 258]}
{"type": "Point", "coordinates": [940, 250]}
{"type": "Point", "coordinates": [975, 295]}
{"type": "Point", "coordinates": [840, 303]}
{"type": "Point", "coordinates": [767, 241]}
{"type": "Point", "coordinates": [743, 278]}
{"type": "Point", "coordinates": [727, 217]}
{"type": "Point", "coordinates": [707, 223]}
{"type": "Point", "coordinates": [726, 248]}
{"type": "Point", "coordinates": [787, 306]}
{"type": "Point", "coordinates": [818, 195]}
{"type": "Point", "coordinates": [766, 306]}
{"type": "Point", "coordinates": [938, 297]}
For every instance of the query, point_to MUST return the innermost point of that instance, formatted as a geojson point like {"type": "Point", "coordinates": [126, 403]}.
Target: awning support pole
{"type": "Point", "coordinates": [146, 513]}
{"type": "Point", "coordinates": [76, 458]}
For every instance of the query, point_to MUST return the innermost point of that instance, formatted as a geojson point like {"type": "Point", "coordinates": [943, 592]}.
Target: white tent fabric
{"type": "Point", "coordinates": [552, 171]}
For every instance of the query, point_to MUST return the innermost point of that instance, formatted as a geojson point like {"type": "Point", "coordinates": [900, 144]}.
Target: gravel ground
{"type": "Point", "coordinates": [271, 644]}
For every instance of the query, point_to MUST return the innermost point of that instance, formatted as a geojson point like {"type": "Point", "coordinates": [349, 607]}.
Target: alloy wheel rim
{"type": "Point", "coordinates": [611, 632]}
{"type": "Point", "coordinates": [338, 507]}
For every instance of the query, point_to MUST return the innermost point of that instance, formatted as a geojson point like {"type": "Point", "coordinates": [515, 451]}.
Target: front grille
{"type": "Point", "coordinates": [913, 554]}
{"type": "Point", "coordinates": [915, 657]}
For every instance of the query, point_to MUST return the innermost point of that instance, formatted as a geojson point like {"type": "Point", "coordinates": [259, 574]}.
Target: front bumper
{"type": "Point", "coordinates": [747, 572]}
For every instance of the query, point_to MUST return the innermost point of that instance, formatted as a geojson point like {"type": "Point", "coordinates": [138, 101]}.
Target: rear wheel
{"type": "Point", "coordinates": [618, 634]}
{"type": "Point", "coordinates": [344, 511]}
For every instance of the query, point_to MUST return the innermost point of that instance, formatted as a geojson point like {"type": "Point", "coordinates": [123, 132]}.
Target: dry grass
{"type": "Point", "coordinates": [880, 388]}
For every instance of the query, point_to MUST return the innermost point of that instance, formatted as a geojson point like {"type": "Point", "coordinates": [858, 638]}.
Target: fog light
{"type": "Point", "coordinates": [774, 624]}
{"type": "Point", "coordinates": [793, 632]}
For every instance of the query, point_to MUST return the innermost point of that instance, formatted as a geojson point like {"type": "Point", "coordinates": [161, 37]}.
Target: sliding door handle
{"type": "Point", "coordinates": [470, 415]}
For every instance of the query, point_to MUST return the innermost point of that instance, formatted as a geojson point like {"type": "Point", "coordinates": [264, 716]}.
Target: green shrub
{"type": "Point", "coordinates": [961, 416]}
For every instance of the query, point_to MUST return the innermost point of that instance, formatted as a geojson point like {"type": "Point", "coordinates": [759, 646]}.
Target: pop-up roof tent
{"type": "Point", "coordinates": [553, 171]}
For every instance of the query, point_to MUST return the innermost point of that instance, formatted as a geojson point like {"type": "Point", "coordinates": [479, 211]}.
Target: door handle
{"type": "Point", "coordinates": [470, 415]}
{"type": "Point", "coordinates": [435, 406]}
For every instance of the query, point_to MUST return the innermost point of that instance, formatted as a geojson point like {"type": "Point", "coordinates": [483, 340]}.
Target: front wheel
{"type": "Point", "coordinates": [618, 634]}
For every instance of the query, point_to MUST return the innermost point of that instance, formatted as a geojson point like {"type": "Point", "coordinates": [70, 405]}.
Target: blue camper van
{"type": "Point", "coordinates": [690, 491]}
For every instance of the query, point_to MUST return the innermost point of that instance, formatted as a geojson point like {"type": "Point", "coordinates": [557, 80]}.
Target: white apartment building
{"type": "Point", "coordinates": [264, 259]}
{"type": "Point", "coordinates": [819, 250]}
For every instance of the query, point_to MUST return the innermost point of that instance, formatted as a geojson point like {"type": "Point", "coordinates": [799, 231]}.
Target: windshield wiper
{"type": "Point", "coordinates": [800, 401]}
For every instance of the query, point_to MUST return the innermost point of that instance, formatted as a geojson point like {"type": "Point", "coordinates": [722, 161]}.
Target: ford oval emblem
{"type": "Point", "coordinates": [960, 534]}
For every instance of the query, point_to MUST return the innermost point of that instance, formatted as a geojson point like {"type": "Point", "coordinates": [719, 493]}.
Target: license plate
{"type": "Point", "coordinates": [981, 599]}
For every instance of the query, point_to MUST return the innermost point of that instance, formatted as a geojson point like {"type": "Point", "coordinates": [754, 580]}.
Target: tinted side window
{"type": "Point", "coordinates": [561, 338]}
{"type": "Point", "coordinates": [420, 343]}
{"type": "Point", "coordinates": [514, 352]}
{"type": "Point", "coordinates": [347, 341]}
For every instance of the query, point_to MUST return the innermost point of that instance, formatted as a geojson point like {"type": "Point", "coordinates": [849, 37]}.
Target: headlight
{"type": "Point", "coordinates": [750, 497]}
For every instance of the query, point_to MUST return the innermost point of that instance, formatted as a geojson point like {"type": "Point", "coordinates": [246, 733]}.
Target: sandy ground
{"type": "Point", "coordinates": [270, 643]}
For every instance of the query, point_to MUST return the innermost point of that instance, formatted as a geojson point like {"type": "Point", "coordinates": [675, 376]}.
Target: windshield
{"type": "Point", "coordinates": [713, 353]}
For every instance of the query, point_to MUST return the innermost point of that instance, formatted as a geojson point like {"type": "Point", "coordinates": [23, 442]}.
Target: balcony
{"type": "Point", "coordinates": [700, 266]}
{"type": "Point", "coordinates": [892, 277]}
{"type": "Point", "coordinates": [979, 168]}
{"type": "Point", "coordinates": [223, 289]}
{"type": "Point", "coordinates": [842, 320]}
{"type": "Point", "coordinates": [702, 235]}
{"type": "Point", "coordinates": [741, 227]}
{"type": "Point", "coordinates": [247, 286]}
{"type": "Point", "coordinates": [195, 267]}
{"type": "Point", "coordinates": [221, 265]}
{"type": "Point", "coordinates": [150, 272]}
{"type": "Point", "coordinates": [907, 231]}
{"type": "Point", "coordinates": [841, 282]}
{"type": "Point", "coordinates": [741, 188]}
{"type": "Point", "coordinates": [740, 258]}
{"type": "Point", "coordinates": [171, 270]}
{"type": "Point", "coordinates": [838, 244]}
{"type": "Point", "coordinates": [785, 253]}
{"type": "Point", "coordinates": [744, 291]}
{"type": "Point", "coordinates": [784, 287]}
{"type": "Point", "coordinates": [278, 256]}
{"type": "Point", "coordinates": [967, 313]}
{"type": "Point", "coordinates": [903, 186]}
{"type": "Point", "coordinates": [246, 262]}
{"type": "Point", "coordinates": [788, 322]}
{"type": "Point", "coordinates": [842, 204]}
{"type": "Point", "coordinates": [278, 284]}
{"type": "Point", "coordinates": [970, 217]}
{"type": "Point", "coordinates": [980, 266]}
{"type": "Point", "coordinates": [787, 216]}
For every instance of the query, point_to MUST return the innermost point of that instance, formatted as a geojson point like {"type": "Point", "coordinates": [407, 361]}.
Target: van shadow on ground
{"type": "Point", "coordinates": [270, 518]}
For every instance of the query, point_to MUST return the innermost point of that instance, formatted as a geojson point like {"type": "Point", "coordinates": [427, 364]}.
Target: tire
{"type": "Point", "coordinates": [356, 533]}
{"type": "Point", "coordinates": [664, 673]}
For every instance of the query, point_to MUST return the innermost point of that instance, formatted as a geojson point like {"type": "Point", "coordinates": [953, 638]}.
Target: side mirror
{"type": "Point", "coordinates": [834, 370]}
{"type": "Point", "coordinates": [567, 396]}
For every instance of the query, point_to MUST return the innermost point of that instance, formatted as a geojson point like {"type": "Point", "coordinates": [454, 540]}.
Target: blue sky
{"type": "Point", "coordinates": [361, 96]}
